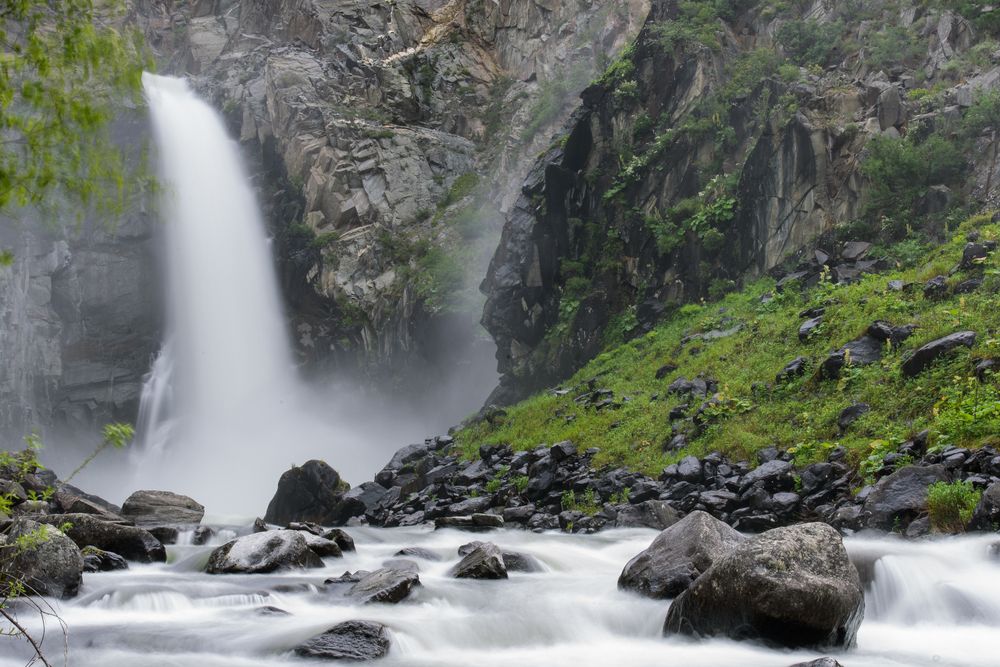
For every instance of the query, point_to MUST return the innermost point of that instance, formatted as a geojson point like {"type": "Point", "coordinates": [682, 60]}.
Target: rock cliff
{"type": "Point", "coordinates": [722, 143]}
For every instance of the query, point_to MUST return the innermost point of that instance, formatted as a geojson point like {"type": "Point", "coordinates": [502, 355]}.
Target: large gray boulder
{"type": "Point", "coordinates": [899, 498]}
{"type": "Point", "coordinates": [162, 508]}
{"type": "Point", "coordinates": [263, 552]}
{"type": "Point", "coordinates": [485, 561]}
{"type": "Point", "coordinates": [384, 585]}
{"type": "Point", "coordinates": [310, 492]}
{"type": "Point", "coordinates": [678, 556]}
{"type": "Point", "coordinates": [792, 586]}
{"type": "Point", "coordinates": [89, 530]}
{"type": "Point", "coordinates": [46, 561]}
{"type": "Point", "coordinates": [351, 640]}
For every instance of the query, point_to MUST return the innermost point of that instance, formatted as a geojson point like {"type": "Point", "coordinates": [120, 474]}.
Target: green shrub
{"type": "Point", "coordinates": [901, 170]}
{"type": "Point", "coordinates": [950, 506]}
{"type": "Point", "coordinates": [809, 42]}
{"type": "Point", "coordinates": [461, 187]}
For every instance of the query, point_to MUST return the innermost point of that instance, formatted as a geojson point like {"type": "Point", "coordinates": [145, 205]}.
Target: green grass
{"type": "Point", "coordinates": [950, 506]}
{"type": "Point", "coordinates": [802, 414]}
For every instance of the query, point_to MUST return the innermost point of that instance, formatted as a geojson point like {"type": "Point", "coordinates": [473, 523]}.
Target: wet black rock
{"type": "Point", "coordinates": [809, 327]}
{"type": "Point", "coordinates": [986, 516]}
{"type": "Point", "coordinates": [973, 254]}
{"type": "Point", "coordinates": [263, 552]}
{"type": "Point", "coordinates": [819, 662]}
{"type": "Point", "coordinates": [126, 540]}
{"type": "Point", "coordinates": [678, 556]}
{"type": "Point", "coordinates": [343, 540]}
{"type": "Point", "coordinates": [162, 508]}
{"type": "Point", "coordinates": [655, 514]}
{"type": "Point", "coordinates": [386, 585]}
{"type": "Point", "coordinates": [359, 501]}
{"type": "Point", "coordinates": [351, 640]}
{"type": "Point", "coordinates": [310, 492]}
{"type": "Point", "coordinates": [901, 497]}
{"type": "Point", "coordinates": [793, 369]}
{"type": "Point", "coordinates": [514, 561]}
{"type": "Point", "coordinates": [485, 561]}
{"type": "Point", "coordinates": [851, 414]}
{"type": "Point", "coordinates": [792, 586]}
{"type": "Point", "coordinates": [50, 565]}
{"type": "Point", "coordinates": [775, 475]}
{"type": "Point", "coordinates": [861, 352]}
{"type": "Point", "coordinates": [926, 354]}
{"type": "Point", "coordinates": [321, 547]}
{"type": "Point", "coordinates": [936, 288]}
{"type": "Point", "coordinates": [98, 560]}
{"type": "Point", "coordinates": [201, 535]}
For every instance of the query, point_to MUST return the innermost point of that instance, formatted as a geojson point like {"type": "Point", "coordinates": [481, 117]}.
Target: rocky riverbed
{"type": "Point", "coordinates": [929, 603]}
{"type": "Point", "coordinates": [152, 578]}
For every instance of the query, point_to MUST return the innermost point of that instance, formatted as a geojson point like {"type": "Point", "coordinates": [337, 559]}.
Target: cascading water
{"type": "Point", "coordinates": [569, 615]}
{"type": "Point", "coordinates": [218, 418]}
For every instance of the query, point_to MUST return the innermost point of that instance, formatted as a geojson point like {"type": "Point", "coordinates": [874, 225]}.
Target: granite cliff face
{"type": "Point", "coordinates": [387, 139]}
{"type": "Point", "coordinates": [713, 152]}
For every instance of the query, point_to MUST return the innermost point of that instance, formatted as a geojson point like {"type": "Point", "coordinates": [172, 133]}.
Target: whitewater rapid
{"type": "Point", "coordinates": [931, 604]}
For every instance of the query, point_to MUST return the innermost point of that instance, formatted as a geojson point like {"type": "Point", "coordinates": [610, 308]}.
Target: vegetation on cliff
{"type": "Point", "coordinates": [620, 402]}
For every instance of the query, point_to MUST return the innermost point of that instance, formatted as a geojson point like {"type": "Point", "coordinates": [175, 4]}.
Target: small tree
{"type": "Point", "coordinates": [65, 72]}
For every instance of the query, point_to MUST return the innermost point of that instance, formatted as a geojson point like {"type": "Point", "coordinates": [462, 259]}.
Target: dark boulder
{"type": "Point", "coordinates": [343, 540]}
{"type": "Point", "coordinates": [514, 561]}
{"type": "Point", "coordinates": [310, 492]}
{"type": "Point", "coordinates": [259, 553]}
{"type": "Point", "coordinates": [389, 585]}
{"type": "Point", "coordinates": [485, 561]}
{"type": "Point", "coordinates": [351, 640]}
{"type": "Point", "coordinates": [774, 475]}
{"type": "Point", "coordinates": [42, 557]}
{"type": "Point", "coordinates": [851, 414]}
{"type": "Point", "coordinates": [128, 541]}
{"type": "Point", "coordinates": [973, 254]}
{"type": "Point", "coordinates": [986, 516]}
{"type": "Point", "coordinates": [819, 662]}
{"type": "Point", "coordinates": [161, 508]}
{"type": "Point", "coordinates": [418, 552]}
{"type": "Point", "coordinates": [809, 327]}
{"type": "Point", "coordinates": [678, 556]}
{"type": "Point", "coordinates": [792, 369]}
{"type": "Point", "coordinates": [71, 500]}
{"type": "Point", "coordinates": [901, 497]}
{"type": "Point", "coordinates": [359, 501]}
{"type": "Point", "coordinates": [98, 560]}
{"type": "Point", "coordinates": [861, 352]}
{"type": "Point", "coordinates": [792, 586]}
{"type": "Point", "coordinates": [322, 547]}
{"type": "Point", "coordinates": [655, 514]}
{"type": "Point", "coordinates": [926, 354]}
{"type": "Point", "coordinates": [936, 288]}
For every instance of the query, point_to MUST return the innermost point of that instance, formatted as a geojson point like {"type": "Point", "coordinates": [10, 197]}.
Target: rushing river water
{"type": "Point", "coordinates": [931, 603]}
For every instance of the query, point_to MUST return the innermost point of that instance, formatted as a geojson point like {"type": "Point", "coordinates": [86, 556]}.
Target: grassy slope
{"type": "Point", "coordinates": [801, 414]}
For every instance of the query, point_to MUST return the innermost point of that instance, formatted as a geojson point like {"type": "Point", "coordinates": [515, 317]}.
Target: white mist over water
{"type": "Point", "coordinates": [222, 411]}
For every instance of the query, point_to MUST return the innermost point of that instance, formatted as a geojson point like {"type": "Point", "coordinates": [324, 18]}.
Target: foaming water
{"type": "Point", "coordinates": [570, 615]}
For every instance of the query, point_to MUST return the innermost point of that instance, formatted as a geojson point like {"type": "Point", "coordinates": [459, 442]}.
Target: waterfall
{"type": "Point", "coordinates": [219, 416]}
